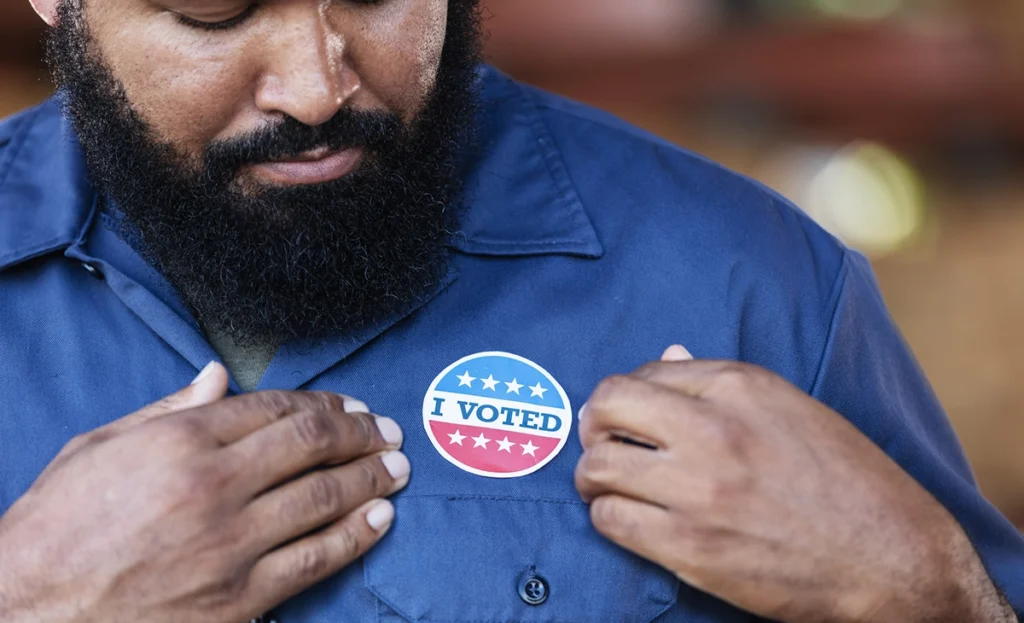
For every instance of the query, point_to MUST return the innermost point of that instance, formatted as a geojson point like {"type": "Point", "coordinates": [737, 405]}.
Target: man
{"type": "Point", "coordinates": [339, 203]}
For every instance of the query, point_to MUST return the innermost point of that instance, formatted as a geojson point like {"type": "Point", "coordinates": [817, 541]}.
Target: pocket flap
{"type": "Point", "coordinates": [464, 560]}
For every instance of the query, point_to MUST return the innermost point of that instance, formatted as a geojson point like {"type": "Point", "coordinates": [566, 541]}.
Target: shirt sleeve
{"type": "Point", "coordinates": [868, 374]}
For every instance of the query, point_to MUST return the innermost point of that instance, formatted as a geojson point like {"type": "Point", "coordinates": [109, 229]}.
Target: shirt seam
{"type": "Point", "coordinates": [547, 242]}
{"type": "Point", "coordinates": [16, 143]}
{"type": "Point", "coordinates": [30, 253]}
{"type": "Point", "coordinates": [835, 297]}
{"type": "Point", "coordinates": [559, 171]}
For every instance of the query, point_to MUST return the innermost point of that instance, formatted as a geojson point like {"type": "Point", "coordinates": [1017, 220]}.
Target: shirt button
{"type": "Point", "coordinates": [533, 589]}
{"type": "Point", "coordinates": [92, 270]}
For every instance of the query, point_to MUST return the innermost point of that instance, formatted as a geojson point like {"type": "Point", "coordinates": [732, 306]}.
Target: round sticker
{"type": "Point", "coordinates": [497, 415]}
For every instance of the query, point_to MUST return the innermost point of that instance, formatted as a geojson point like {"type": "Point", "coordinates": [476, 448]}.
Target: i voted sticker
{"type": "Point", "coordinates": [497, 415]}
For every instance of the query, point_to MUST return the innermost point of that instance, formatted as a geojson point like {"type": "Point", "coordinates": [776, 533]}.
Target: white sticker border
{"type": "Point", "coordinates": [428, 407]}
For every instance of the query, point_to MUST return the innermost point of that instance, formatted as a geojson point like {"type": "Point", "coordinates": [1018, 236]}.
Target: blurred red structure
{"type": "Point", "coordinates": [905, 83]}
{"type": "Point", "coordinates": [900, 82]}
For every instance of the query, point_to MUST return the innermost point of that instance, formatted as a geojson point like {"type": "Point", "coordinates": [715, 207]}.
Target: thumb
{"type": "Point", "coordinates": [677, 353]}
{"type": "Point", "coordinates": [209, 386]}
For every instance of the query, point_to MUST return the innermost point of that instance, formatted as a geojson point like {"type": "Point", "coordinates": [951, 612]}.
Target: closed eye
{"type": "Point", "coordinates": [226, 24]}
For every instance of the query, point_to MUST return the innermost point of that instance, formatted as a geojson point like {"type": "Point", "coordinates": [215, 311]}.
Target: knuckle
{"type": "Point", "coordinates": [370, 476]}
{"type": "Point", "coordinates": [598, 464]}
{"type": "Point", "coordinates": [651, 370]}
{"type": "Point", "coordinates": [609, 518]}
{"type": "Point", "coordinates": [273, 404]}
{"type": "Point", "coordinates": [221, 586]}
{"type": "Point", "coordinates": [311, 562]}
{"type": "Point", "coordinates": [327, 401]}
{"type": "Point", "coordinates": [729, 436]}
{"type": "Point", "coordinates": [314, 432]}
{"type": "Point", "coordinates": [733, 377]}
{"type": "Point", "coordinates": [176, 435]}
{"type": "Point", "coordinates": [348, 543]}
{"type": "Point", "coordinates": [187, 430]}
{"type": "Point", "coordinates": [325, 494]}
{"type": "Point", "coordinates": [362, 430]}
{"type": "Point", "coordinates": [610, 389]}
{"type": "Point", "coordinates": [167, 404]}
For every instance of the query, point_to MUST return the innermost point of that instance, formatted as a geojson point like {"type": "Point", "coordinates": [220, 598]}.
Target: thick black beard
{"type": "Point", "coordinates": [277, 264]}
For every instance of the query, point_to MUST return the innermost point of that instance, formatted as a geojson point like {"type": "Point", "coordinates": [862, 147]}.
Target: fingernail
{"type": "Point", "coordinates": [205, 373]}
{"type": "Point", "coordinates": [381, 515]}
{"type": "Point", "coordinates": [355, 406]}
{"type": "Point", "coordinates": [582, 411]}
{"type": "Point", "coordinates": [390, 431]}
{"type": "Point", "coordinates": [677, 353]}
{"type": "Point", "coordinates": [397, 464]}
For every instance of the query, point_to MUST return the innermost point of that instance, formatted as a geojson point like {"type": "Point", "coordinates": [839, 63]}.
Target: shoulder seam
{"type": "Point", "coordinates": [626, 127]}
{"type": "Point", "coordinates": [631, 131]}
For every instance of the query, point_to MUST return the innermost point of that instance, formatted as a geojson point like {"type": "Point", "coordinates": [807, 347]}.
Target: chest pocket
{"type": "Point", "coordinates": [469, 559]}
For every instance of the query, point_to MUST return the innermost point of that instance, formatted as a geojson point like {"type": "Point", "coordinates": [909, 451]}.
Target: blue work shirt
{"type": "Point", "coordinates": [587, 247]}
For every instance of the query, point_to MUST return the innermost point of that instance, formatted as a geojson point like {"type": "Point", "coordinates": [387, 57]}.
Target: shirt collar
{"type": "Point", "coordinates": [45, 195]}
{"type": "Point", "coordinates": [521, 200]}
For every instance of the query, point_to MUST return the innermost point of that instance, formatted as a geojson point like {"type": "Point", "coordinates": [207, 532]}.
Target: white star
{"type": "Point", "coordinates": [490, 383]}
{"type": "Point", "coordinates": [537, 390]}
{"type": "Point", "coordinates": [466, 380]}
{"type": "Point", "coordinates": [513, 387]}
{"type": "Point", "coordinates": [456, 437]}
{"type": "Point", "coordinates": [505, 445]}
{"type": "Point", "coordinates": [529, 448]}
{"type": "Point", "coordinates": [481, 441]}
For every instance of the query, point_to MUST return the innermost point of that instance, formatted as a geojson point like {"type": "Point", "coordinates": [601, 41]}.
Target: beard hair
{"type": "Point", "coordinates": [276, 264]}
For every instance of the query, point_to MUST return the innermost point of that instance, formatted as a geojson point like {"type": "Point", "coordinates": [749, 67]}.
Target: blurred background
{"type": "Point", "coordinates": [897, 124]}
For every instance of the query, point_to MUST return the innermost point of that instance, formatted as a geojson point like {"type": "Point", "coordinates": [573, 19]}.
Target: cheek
{"type": "Point", "coordinates": [397, 53]}
{"type": "Point", "coordinates": [187, 93]}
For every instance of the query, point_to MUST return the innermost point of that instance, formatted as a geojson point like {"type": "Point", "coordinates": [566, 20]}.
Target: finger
{"type": "Point", "coordinates": [293, 568]}
{"type": "Point", "coordinates": [236, 418]}
{"type": "Point", "coordinates": [209, 386]}
{"type": "Point", "coordinates": [628, 470]}
{"type": "Point", "coordinates": [642, 528]}
{"type": "Point", "coordinates": [700, 378]}
{"type": "Point", "coordinates": [324, 496]}
{"type": "Point", "coordinates": [632, 408]}
{"type": "Point", "coordinates": [308, 439]}
{"type": "Point", "coordinates": [676, 353]}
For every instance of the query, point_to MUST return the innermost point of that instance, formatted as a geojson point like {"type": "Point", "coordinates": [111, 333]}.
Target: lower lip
{"type": "Point", "coordinates": [291, 172]}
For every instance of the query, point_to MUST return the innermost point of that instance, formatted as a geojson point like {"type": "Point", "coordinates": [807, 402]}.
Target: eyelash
{"type": "Point", "coordinates": [240, 18]}
{"type": "Point", "coordinates": [221, 25]}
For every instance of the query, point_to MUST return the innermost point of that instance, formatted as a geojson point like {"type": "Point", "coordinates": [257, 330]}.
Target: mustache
{"type": "Point", "coordinates": [290, 138]}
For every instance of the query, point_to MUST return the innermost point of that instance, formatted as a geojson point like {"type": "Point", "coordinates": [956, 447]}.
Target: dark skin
{"type": "Point", "coordinates": [302, 58]}
{"type": "Point", "coordinates": [770, 500]}
{"type": "Point", "coordinates": [204, 496]}
{"type": "Point", "coordinates": [200, 508]}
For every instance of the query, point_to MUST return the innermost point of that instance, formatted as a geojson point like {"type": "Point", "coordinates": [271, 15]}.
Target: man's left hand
{"type": "Point", "coordinates": [748, 489]}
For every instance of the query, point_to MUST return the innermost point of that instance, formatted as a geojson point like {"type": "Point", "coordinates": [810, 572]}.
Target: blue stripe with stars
{"type": "Point", "coordinates": [499, 377]}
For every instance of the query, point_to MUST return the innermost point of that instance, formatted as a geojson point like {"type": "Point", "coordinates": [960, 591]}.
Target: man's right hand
{"type": "Point", "coordinates": [200, 509]}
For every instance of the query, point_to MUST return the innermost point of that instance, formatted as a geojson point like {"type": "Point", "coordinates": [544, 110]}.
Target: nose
{"type": "Point", "coordinates": [306, 77]}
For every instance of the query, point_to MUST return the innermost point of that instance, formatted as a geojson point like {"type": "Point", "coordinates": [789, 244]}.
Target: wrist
{"type": "Point", "coordinates": [947, 583]}
{"type": "Point", "coordinates": [973, 596]}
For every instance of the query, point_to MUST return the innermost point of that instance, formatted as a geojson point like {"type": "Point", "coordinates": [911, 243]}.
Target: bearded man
{"type": "Point", "coordinates": [423, 302]}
